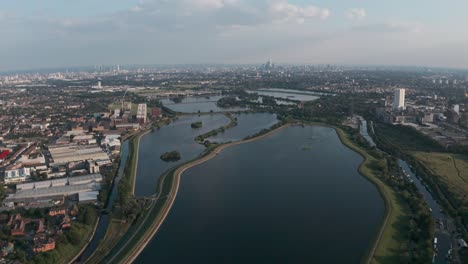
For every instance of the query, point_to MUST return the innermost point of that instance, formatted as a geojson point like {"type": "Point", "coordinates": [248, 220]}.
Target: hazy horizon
{"type": "Point", "coordinates": [59, 34]}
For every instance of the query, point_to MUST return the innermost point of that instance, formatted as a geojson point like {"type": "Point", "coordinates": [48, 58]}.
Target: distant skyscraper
{"type": "Point", "coordinates": [434, 81]}
{"type": "Point", "coordinates": [269, 64]}
{"type": "Point", "coordinates": [118, 67]}
{"type": "Point", "coordinates": [454, 82]}
{"type": "Point", "coordinates": [399, 99]}
{"type": "Point", "coordinates": [99, 85]}
{"type": "Point", "coordinates": [456, 108]}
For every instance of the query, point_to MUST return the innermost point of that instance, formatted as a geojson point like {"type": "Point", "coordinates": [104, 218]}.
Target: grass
{"type": "Point", "coordinates": [446, 173]}
{"type": "Point", "coordinates": [451, 170]}
{"type": "Point", "coordinates": [67, 251]}
{"type": "Point", "coordinates": [117, 229]}
{"type": "Point", "coordinates": [389, 247]}
{"type": "Point", "coordinates": [406, 138]}
{"type": "Point", "coordinates": [392, 242]}
{"type": "Point", "coordinates": [114, 233]}
{"type": "Point", "coordinates": [64, 252]}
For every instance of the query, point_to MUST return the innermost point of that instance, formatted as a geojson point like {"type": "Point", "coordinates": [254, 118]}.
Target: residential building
{"type": "Point", "coordinates": [399, 100]}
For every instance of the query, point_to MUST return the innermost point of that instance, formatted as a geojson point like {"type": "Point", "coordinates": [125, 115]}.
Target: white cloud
{"type": "Point", "coordinates": [205, 4]}
{"type": "Point", "coordinates": [356, 13]}
{"type": "Point", "coordinates": [136, 9]}
{"type": "Point", "coordinates": [283, 11]}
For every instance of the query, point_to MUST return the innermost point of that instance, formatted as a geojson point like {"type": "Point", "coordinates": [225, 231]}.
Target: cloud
{"type": "Point", "coordinates": [215, 31]}
{"type": "Point", "coordinates": [283, 11]}
{"type": "Point", "coordinates": [393, 26]}
{"type": "Point", "coordinates": [356, 13]}
{"type": "Point", "coordinates": [136, 9]}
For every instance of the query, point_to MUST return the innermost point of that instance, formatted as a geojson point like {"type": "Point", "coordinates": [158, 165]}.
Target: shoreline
{"type": "Point", "coordinates": [136, 149]}
{"type": "Point", "coordinates": [178, 172]}
{"type": "Point", "coordinates": [175, 188]}
{"type": "Point", "coordinates": [388, 207]}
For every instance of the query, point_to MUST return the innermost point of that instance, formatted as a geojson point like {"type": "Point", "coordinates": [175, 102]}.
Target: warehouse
{"type": "Point", "coordinates": [72, 152]}
{"type": "Point", "coordinates": [87, 186]}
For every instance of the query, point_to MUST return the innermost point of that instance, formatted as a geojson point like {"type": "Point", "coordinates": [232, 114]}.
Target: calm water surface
{"type": "Point", "coordinates": [195, 104]}
{"type": "Point", "coordinates": [286, 95]}
{"type": "Point", "coordinates": [293, 197]}
{"type": "Point", "coordinates": [247, 124]}
{"type": "Point", "coordinates": [177, 136]}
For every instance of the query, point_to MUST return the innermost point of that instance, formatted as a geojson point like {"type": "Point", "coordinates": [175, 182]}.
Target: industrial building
{"type": "Point", "coordinates": [63, 154]}
{"type": "Point", "coordinates": [86, 186]}
{"type": "Point", "coordinates": [15, 175]}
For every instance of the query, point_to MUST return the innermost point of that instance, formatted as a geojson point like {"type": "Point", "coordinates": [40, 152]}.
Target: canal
{"type": "Point", "coordinates": [104, 219]}
{"type": "Point", "coordinates": [443, 237]}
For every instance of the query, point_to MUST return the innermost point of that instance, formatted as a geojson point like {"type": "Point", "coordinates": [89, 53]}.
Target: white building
{"type": "Point", "coordinates": [141, 113]}
{"type": "Point", "coordinates": [17, 175]}
{"type": "Point", "coordinates": [456, 108]}
{"type": "Point", "coordinates": [399, 99]}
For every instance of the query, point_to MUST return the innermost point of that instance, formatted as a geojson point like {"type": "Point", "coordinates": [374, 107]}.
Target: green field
{"type": "Point", "coordinates": [451, 170]}
{"type": "Point", "coordinates": [114, 233]}
{"type": "Point", "coordinates": [393, 242]}
{"type": "Point", "coordinates": [406, 138]}
{"type": "Point", "coordinates": [446, 173]}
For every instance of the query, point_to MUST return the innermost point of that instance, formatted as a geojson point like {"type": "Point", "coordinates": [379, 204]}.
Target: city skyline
{"type": "Point", "coordinates": [61, 34]}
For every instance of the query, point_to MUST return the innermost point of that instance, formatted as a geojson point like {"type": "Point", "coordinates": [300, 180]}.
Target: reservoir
{"type": "Point", "coordinates": [292, 197]}
{"type": "Point", "coordinates": [179, 136]}
{"type": "Point", "coordinates": [247, 124]}
{"type": "Point", "coordinates": [196, 104]}
{"type": "Point", "coordinates": [286, 94]}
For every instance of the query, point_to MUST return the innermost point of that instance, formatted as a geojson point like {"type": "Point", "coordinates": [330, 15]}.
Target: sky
{"type": "Point", "coordinates": [63, 33]}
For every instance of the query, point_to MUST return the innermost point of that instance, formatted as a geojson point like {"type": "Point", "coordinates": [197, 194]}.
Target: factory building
{"type": "Point", "coordinates": [87, 186]}
{"type": "Point", "coordinates": [63, 154]}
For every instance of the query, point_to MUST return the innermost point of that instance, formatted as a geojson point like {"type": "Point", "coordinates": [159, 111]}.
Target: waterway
{"type": "Point", "coordinates": [247, 124]}
{"type": "Point", "coordinates": [104, 219]}
{"type": "Point", "coordinates": [443, 237]}
{"type": "Point", "coordinates": [292, 197]}
{"type": "Point", "coordinates": [198, 104]}
{"type": "Point", "coordinates": [178, 136]}
{"type": "Point", "coordinates": [279, 93]}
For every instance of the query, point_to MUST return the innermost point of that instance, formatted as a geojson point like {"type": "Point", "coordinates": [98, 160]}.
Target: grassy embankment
{"type": "Point", "coordinates": [232, 123]}
{"type": "Point", "coordinates": [65, 252]}
{"type": "Point", "coordinates": [118, 226]}
{"type": "Point", "coordinates": [446, 173]}
{"type": "Point", "coordinates": [141, 233]}
{"type": "Point", "coordinates": [391, 240]}
{"type": "Point", "coordinates": [443, 171]}
{"type": "Point", "coordinates": [452, 170]}
{"type": "Point", "coordinates": [387, 246]}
